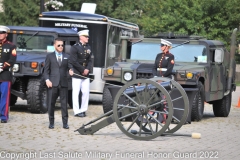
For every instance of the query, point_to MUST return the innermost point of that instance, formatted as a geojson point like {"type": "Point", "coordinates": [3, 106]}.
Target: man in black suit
{"type": "Point", "coordinates": [55, 75]}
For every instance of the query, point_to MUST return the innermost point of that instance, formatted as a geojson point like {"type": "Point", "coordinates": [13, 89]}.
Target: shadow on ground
{"type": "Point", "coordinates": [24, 107]}
{"type": "Point", "coordinates": [208, 115]}
{"type": "Point", "coordinates": [20, 108]}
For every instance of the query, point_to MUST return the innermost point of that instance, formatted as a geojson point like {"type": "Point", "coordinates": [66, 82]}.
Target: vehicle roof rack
{"type": "Point", "coordinates": [172, 35]}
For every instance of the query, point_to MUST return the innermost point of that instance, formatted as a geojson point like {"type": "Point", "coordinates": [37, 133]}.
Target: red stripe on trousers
{"type": "Point", "coordinates": [7, 100]}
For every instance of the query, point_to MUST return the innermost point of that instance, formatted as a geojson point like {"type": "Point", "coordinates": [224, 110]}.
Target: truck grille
{"type": "Point", "coordinates": [144, 71]}
{"type": "Point", "coordinates": [144, 75]}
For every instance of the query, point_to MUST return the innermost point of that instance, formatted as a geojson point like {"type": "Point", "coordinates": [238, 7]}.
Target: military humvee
{"type": "Point", "coordinates": [204, 68]}
{"type": "Point", "coordinates": [33, 44]}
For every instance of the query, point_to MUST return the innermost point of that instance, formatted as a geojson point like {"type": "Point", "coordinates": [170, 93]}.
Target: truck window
{"type": "Point", "coordinates": [73, 42]}
{"type": "Point", "coordinates": [10, 37]}
{"type": "Point", "coordinates": [144, 51]}
{"type": "Point", "coordinates": [190, 53]}
{"type": "Point", "coordinates": [41, 43]}
{"type": "Point", "coordinates": [184, 53]}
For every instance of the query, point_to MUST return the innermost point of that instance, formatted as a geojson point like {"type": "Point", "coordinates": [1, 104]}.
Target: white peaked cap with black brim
{"type": "Point", "coordinates": [84, 33]}
{"type": "Point", "coordinates": [165, 42]}
{"type": "Point", "coordinates": [4, 29]}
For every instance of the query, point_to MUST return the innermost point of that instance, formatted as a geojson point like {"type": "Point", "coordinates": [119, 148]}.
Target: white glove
{"type": "Point", "coordinates": [1, 67]}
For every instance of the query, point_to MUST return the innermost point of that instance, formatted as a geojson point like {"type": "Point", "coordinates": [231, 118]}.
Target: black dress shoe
{"type": "Point", "coordinates": [77, 115]}
{"type": "Point", "coordinates": [3, 121]}
{"type": "Point", "coordinates": [82, 114]}
{"type": "Point", "coordinates": [65, 126]}
{"type": "Point", "coordinates": [51, 126]}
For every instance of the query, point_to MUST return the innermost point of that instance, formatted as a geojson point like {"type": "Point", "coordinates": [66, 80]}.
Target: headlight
{"type": "Point", "coordinates": [189, 75]}
{"type": "Point", "coordinates": [127, 76]}
{"type": "Point", "coordinates": [15, 67]}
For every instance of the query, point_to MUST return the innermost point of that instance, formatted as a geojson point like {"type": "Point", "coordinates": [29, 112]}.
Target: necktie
{"type": "Point", "coordinates": [59, 60]}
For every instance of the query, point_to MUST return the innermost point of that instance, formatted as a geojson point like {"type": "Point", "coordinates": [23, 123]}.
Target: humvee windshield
{"type": "Point", "coordinates": [183, 53]}
{"type": "Point", "coordinates": [39, 43]}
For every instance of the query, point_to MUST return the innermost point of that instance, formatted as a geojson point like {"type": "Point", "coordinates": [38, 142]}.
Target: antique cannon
{"type": "Point", "coordinates": [144, 109]}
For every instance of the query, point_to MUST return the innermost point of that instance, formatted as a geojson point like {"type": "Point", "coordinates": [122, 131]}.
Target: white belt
{"type": "Point", "coordinates": [161, 69]}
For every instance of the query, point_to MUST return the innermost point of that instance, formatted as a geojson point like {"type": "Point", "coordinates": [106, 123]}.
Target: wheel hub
{"type": "Point", "coordinates": [143, 110]}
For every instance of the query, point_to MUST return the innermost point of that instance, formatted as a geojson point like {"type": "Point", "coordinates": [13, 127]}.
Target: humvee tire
{"type": "Point", "coordinates": [107, 100]}
{"type": "Point", "coordinates": [198, 104]}
{"type": "Point", "coordinates": [221, 108]}
{"type": "Point", "coordinates": [13, 100]}
{"type": "Point", "coordinates": [37, 95]}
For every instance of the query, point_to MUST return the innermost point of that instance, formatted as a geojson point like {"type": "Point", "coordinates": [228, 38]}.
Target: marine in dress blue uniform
{"type": "Point", "coordinates": [80, 59]}
{"type": "Point", "coordinates": [7, 59]}
{"type": "Point", "coordinates": [164, 61]}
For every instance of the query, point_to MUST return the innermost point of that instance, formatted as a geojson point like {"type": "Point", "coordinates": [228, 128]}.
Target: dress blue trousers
{"type": "Point", "coordinates": [5, 89]}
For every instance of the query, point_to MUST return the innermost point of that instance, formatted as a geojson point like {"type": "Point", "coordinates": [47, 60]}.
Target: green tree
{"type": "Point", "coordinates": [213, 19]}
{"type": "Point", "coordinates": [20, 12]}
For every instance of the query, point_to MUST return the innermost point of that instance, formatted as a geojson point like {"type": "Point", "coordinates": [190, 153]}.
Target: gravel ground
{"type": "Point", "coordinates": [26, 136]}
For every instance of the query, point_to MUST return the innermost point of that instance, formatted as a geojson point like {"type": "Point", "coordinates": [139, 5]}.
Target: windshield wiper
{"type": "Point", "coordinates": [34, 34]}
{"type": "Point", "coordinates": [180, 44]}
{"type": "Point", "coordinates": [137, 42]}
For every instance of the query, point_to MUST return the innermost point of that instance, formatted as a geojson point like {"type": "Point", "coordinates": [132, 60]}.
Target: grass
{"type": "Point", "coordinates": [238, 83]}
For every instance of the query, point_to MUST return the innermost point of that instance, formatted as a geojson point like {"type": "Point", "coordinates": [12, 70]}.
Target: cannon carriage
{"type": "Point", "coordinates": [144, 109]}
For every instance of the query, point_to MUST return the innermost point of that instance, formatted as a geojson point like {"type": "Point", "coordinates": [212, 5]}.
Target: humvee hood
{"type": "Point", "coordinates": [149, 66]}
{"type": "Point", "coordinates": [188, 67]}
{"type": "Point", "coordinates": [29, 57]}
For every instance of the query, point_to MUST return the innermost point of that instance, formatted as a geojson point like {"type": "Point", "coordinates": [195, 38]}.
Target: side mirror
{"type": "Point", "coordinates": [67, 49]}
{"type": "Point", "coordinates": [112, 49]}
{"type": "Point", "coordinates": [219, 55]}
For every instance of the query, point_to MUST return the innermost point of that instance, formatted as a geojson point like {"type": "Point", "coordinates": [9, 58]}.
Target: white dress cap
{"type": "Point", "coordinates": [83, 33]}
{"type": "Point", "coordinates": [4, 28]}
{"type": "Point", "coordinates": [165, 42]}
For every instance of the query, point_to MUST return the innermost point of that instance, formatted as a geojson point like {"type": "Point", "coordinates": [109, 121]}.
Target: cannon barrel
{"type": "Point", "coordinates": [131, 91]}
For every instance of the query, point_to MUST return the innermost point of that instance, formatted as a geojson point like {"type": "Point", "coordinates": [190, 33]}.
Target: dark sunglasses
{"type": "Point", "coordinates": [2, 32]}
{"type": "Point", "coordinates": [163, 45]}
{"type": "Point", "coordinates": [60, 45]}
